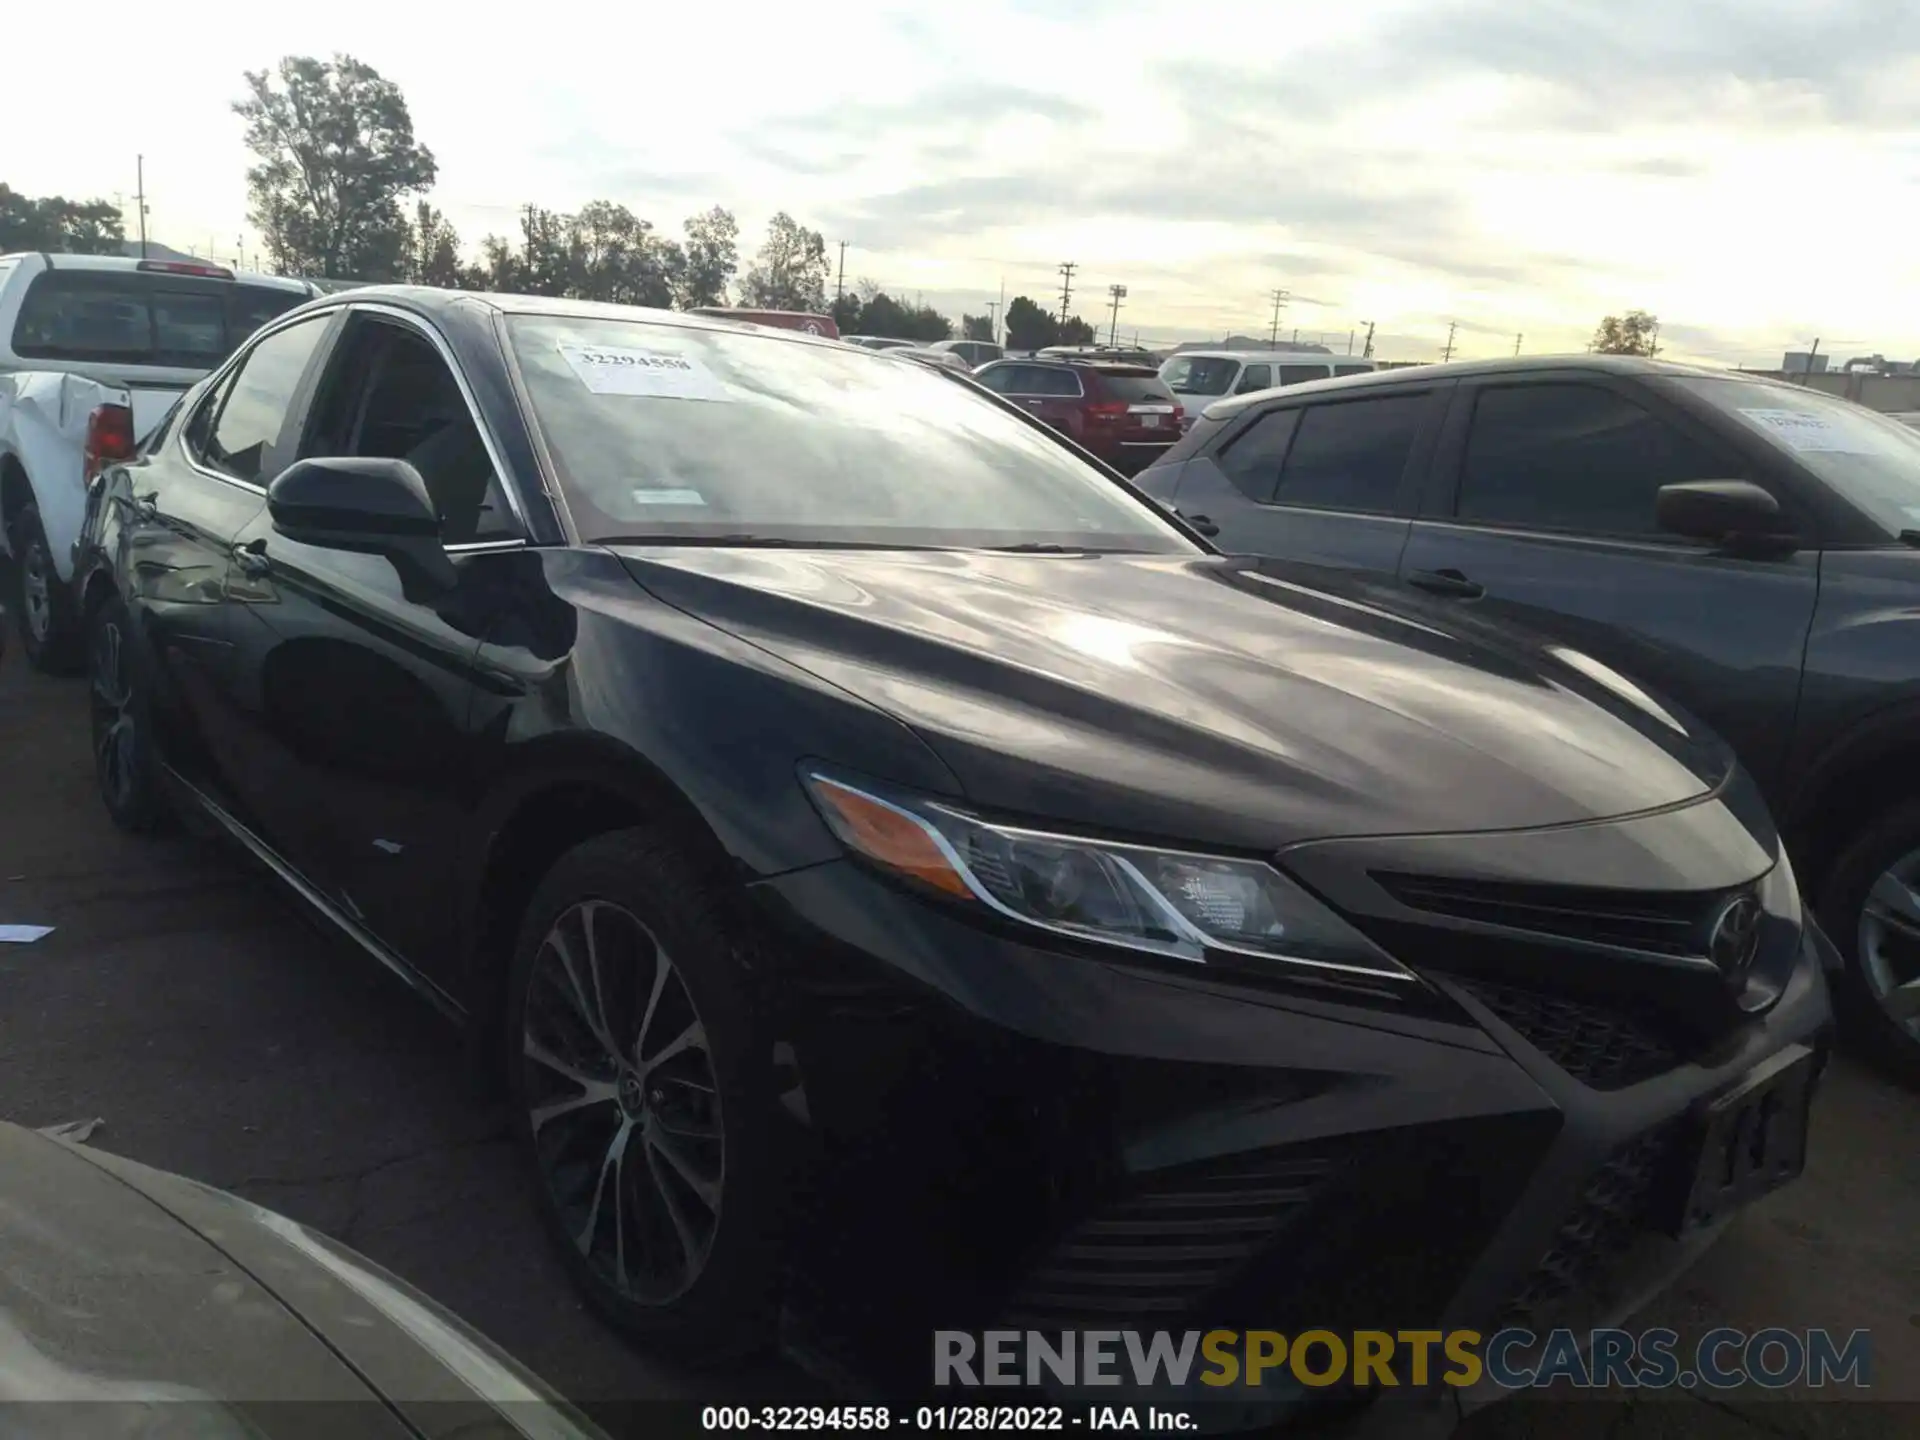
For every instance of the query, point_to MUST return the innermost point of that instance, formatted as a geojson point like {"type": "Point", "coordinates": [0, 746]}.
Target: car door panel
{"type": "Point", "coordinates": [356, 679]}
{"type": "Point", "coordinates": [1722, 635]}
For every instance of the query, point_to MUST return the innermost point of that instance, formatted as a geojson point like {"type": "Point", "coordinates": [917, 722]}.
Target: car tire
{"type": "Point", "coordinates": [690, 1145]}
{"type": "Point", "coordinates": [1889, 848]}
{"type": "Point", "coordinates": [49, 629]}
{"type": "Point", "coordinates": [125, 765]}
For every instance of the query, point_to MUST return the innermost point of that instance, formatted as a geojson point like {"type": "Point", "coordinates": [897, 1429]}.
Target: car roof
{"type": "Point", "coordinates": [439, 304]}
{"type": "Point", "coordinates": [1523, 365]}
{"type": "Point", "coordinates": [1297, 357]}
{"type": "Point", "coordinates": [128, 264]}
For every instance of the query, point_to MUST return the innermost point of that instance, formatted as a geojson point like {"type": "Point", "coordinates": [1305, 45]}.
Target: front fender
{"type": "Point", "coordinates": [43, 429]}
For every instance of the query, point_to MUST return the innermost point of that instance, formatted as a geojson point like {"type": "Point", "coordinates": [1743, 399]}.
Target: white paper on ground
{"type": "Point", "coordinates": [1804, 431]}
{"type": "Point", "coordinates": [623, 370]}
{"type": "Point", "coordinates": [23, 934]}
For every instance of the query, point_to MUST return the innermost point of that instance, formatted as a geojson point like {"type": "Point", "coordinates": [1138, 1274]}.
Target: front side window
{"type": "Point", "coordinates": [1301, 374]}
{"type": "Point", "coordinates": [1573, 457]}
{"type": "Point", "coordinates": [1351, 456]}
{"type": "Point", "coordinates": [253, 416]}
{"type": "Point", "coordinates": [669, 434]}
{"type": "Point", "coordinates": [1869, 459]}
{"type": "Point", "coordinates": [1253, 460]}
{"type": "Point", "coordinates": [1353, 370]}
{"type": "Point", "coordinates": [1256, 377]}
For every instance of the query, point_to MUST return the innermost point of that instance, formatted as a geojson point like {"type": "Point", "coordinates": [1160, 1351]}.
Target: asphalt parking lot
{"type": "Point", "coordinates": [184, 1003]}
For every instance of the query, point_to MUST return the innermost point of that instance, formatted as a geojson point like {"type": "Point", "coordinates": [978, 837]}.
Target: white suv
{"type": "Point", "coordinates": [94, 350]}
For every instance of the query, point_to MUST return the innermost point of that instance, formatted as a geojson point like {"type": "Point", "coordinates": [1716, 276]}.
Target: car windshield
{"type": "Point", "coordinates": [671, 433]}
{"type": "Point", "coordinates": [1187, 375]}
{"type": "Point", "coordinates": [1871, 460]}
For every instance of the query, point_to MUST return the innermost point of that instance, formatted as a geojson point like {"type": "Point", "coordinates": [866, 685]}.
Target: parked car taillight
{"type": "Point", "coordinates": [1107, 410]}
{"type": "Point", "coordinates": [109, 438]}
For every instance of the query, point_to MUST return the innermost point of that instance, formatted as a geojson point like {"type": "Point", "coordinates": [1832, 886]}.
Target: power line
{"type": "Point", "coordinates": [1280, 299]}
{"type": "Point", "coordinates": [1067, 267]}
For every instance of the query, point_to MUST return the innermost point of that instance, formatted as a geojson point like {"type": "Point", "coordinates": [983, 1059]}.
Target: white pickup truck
{"type": "Point", "coordinates": [94, 351]}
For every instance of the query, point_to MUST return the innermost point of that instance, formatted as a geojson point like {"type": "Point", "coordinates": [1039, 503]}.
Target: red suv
{"type": "Point", "coordinates": [1122, 413]}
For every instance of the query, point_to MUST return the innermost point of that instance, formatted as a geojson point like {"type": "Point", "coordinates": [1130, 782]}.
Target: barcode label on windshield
{"type": "Point", "coordinates": [619, 370]}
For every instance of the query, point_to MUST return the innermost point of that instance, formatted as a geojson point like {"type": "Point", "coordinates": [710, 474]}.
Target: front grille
{"type": "Point", "coordinates": [1614, 1208]}
{"type": "Point", "coordinates": [1150, 1254]}
{"type": "Point", "coordinates": [1663, 924]}
{"type": "Point", "coordinates": [1597, 1046]}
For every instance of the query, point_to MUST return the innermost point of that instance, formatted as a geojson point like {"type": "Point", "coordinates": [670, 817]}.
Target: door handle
{"type": "Point", "coordinates": [1199, 523]}
{"type": "Point", "coordinates": [1446, 582]}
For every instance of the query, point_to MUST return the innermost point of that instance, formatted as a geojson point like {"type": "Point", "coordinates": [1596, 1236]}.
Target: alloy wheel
{"type": "Point", "coordinates": [622, 1102]}
{"type": "Point", "coordinates": [36, 593]}
{"type": "Point", "coordinates": [1889, 943]}
{"type": "Point", "coordinates": [115, 725]}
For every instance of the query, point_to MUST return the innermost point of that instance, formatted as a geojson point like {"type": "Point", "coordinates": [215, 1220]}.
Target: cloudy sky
{"type": "Point", "coordinates": [1746, 169]}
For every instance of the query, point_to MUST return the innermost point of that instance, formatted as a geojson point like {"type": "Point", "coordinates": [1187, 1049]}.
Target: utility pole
{"type": "Point", "coordinates": [1350, 335]}
{"type": "Point", "coordinates": [1067, 267]}
{"type": "Point", "coordinates": [840, 285]}
{"type": "Point", "coordinates": [1812, 355]}
{"type": "Point", "coordinates": [1653, 346]}
{"type": "Point", "coordinates": [1447, 354]}
{"type": "Point", "coordinates": [1003, 310]}
{"type": "Point", "coordinates": [1296, 334]}
{"type": "Point", "coordinates": [1516, 343]}
{"type": "Point", "coordinates": [993, 321]}
{"type": "Point", "coordinates": [140, 199]}
{"type": "Point", "coordinates": [1367, 353]}
{"type": "Point", "coordinates": [240, 252]}
{"type": "Point", "coordinates": [1280, 299]}
{"type": "Point", "coordinates": [1119, 293]}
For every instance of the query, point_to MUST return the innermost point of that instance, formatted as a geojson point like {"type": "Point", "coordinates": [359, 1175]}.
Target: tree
{"type": "Point", "coordinates": [433, 251]}
{"type": "Point", "coordinates": [976, 327]}
{"type": "Point", "coordinates": [1075, 331]}
{"type": "Point", "coordinates": [1029, 327]}
{"type": "Point", "coordinates": [709, 256]}
{"type": "Point", "coordinates": [615, 256]}
{"type": "Point", "coordinates": [73, 227]}
{"type": "Point", "coordinates": [846, 314]}
{"type": "Point", "coordinates": [336, 156]}
{"type": "Point", "coordinates": [1631, 334]}
{"type": "Point", "coordinates": [790, 272]}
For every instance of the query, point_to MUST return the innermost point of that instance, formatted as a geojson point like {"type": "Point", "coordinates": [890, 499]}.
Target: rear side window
{"type": "Point", "coordinates": [130, 317]}
{"type": "Point", "coordinates": [1254, 377]}
{"type": "Point", "coordinates": [1054, 382]}
{"type": "Point", "coordinates": [1351, 456]}
{"type": "Point", "coordinates": [1253, 460]}
{"type": "Point", "coordinates": [1300, 374]}
{"type": "Point", "coordinates": [1353, 370]}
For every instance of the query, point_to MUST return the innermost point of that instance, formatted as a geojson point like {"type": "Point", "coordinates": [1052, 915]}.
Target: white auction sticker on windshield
{"type": "Point", "coordinates": [620, 370]}
{"type": "Point", "coordinates": [1805, 431]}
{"type": "Point", "coordinates": [668, 497]}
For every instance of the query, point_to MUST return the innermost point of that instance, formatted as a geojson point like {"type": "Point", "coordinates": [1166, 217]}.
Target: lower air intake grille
{"type": "Point", "coordinates": [1149, 1255]}
{"type": "Point", "coordinates": [1613, 1209]}
{"type": "Point", "coordinates": [1596, 1046]}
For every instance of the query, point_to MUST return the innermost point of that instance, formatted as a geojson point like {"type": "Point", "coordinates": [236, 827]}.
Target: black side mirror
{"type": "Point", "coordinates": [1733, 513]}
{"type": "Point", "coordinates": [367, 504]}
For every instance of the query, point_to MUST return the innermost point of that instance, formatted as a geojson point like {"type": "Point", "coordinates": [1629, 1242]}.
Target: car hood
{"type": "Point", "coordinates": [123, 1284]}
{"type": "Point", "coordinates": [1249, 703]}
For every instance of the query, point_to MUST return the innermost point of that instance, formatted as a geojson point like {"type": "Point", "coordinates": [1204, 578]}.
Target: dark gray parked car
{"type": "Point", "coordinates": [137, 1303]}
{"type": "Point", "coordinates": [1747, 547]}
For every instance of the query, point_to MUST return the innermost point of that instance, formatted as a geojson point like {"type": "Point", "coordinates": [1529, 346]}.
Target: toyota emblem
{"type": "Point", "coordinates": [1735, 936]}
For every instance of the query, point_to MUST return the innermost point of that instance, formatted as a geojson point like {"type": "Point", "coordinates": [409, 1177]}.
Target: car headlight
{"type": "Point", "coordinates": [1165, 902]}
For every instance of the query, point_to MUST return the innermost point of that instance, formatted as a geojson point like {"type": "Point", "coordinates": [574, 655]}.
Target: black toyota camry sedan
{"type": "Point", "coordinates": [905, 879]}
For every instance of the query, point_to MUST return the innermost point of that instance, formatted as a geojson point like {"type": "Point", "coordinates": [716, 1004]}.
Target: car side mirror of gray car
{"type": "Point", "coordinates": [1736, 514]}
{"type": "Point", "coordinates": [368, 504]}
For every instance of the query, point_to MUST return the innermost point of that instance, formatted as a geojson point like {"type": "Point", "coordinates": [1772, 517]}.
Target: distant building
{"type": "Point", "coordinates": [1800, 362]}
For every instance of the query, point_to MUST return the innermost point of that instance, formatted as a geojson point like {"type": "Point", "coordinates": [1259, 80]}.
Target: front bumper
{"type": "Point", "coordinates": [1007, 1136]}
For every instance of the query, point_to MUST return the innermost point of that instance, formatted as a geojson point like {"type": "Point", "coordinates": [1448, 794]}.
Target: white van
{"type": "Point", "coordinates": [1200, 377]}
